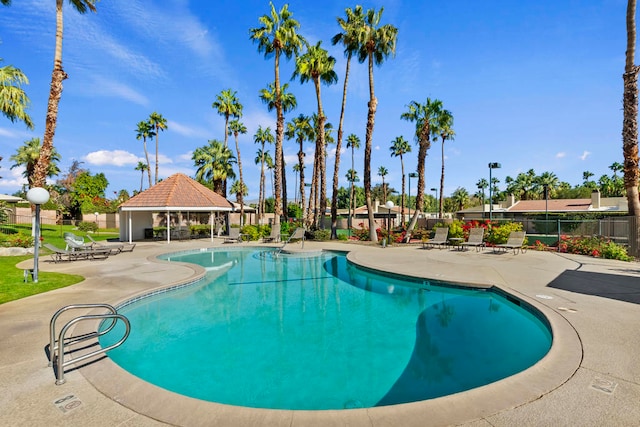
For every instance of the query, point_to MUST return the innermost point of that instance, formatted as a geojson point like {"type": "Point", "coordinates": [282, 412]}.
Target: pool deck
{"type": "Point", "coordinates": [591, 376]}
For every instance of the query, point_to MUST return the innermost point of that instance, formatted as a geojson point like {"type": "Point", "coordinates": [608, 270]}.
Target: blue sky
{"type": "Point", "coordinates": [531, 84]}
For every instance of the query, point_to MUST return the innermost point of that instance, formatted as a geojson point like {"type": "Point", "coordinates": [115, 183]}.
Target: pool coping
{"type": "Point", "coordinates": [553, 370]}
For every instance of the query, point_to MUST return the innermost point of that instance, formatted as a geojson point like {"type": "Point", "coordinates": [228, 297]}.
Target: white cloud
{"type": "Point", "coordinates": [188, 131]}
{"type": "Point", "coordinates": [186, 156]}
{"type": "Point", "coordinates": [12, 178]}
{"type": "Point", "coordinates": [115, 158]}
{"type": "Point", "coordinates": [585, 155]}
{"type": "Point", "coordinates": [110, 88]}
{"type": "Point", "coordinates": [561, 155]}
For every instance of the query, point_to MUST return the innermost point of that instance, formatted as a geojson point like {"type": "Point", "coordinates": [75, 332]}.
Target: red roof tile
{"type": "Point", "coordinates": [178, 191]}
{"type": "Point", "coordinates": [553, 205]}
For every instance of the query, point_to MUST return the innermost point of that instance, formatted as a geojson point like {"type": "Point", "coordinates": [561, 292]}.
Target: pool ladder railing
{"type": "Point", "coordinates": [57, 346]}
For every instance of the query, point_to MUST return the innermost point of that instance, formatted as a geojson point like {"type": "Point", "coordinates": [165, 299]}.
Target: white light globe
{"type": "Point", "coordinates": [38, 196]}
{"type": "Point", "coordinates": [389, 204]}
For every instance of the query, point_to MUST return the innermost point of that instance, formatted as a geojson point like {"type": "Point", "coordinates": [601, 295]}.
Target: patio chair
{"type": "Point", "coordinates": [58, 254]}
{"type": "Point", "coordinates": [87, 251]}
{"type": "Point", "coordinates": [274, 236]}
{"type": "Point", "coordinates": [234, 236]}
{"type": "Point", "coordinates": [439, 239]}
{"type": "Point", "coordinates": [78, 240]}
{"type": "Point", "coordinates": [515, 242]}
{"type": "Point", "coordinates": [115, 247]}
{"type": "Point", "coordinates": [476, 239]}
{"type": "Point", "coordinates": [297, 235]}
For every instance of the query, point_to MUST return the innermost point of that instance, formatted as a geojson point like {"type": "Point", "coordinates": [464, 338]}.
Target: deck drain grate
{"type": "Point", "coordinates": [67, 403]}
{"type": "Point", "coordinates": [605, 386]}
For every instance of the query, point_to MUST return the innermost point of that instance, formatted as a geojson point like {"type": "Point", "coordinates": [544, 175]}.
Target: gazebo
{"type": "Point", "coordinates": [177, 194]}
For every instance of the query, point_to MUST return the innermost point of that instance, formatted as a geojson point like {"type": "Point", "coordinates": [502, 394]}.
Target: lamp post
{"type": "Point", "coordinates": [411, 175]}
{"type": "Point", "coordinates": [389, 206]}
{"type": "Point", "coordinates": [38, 196]}
{"type": "Point", "coordinates": [97, 226]}
{"type": "Point", "coordinates": [492, 166]}
{"type": "Point", "coordinates": [436, 191]}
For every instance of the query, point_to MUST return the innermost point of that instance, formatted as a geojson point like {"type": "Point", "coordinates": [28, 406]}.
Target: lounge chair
{"type": "Point", "coordinates": [476, 238]}
{"type": "Point", "coordinates": [234, 236]}
{"type": "Point", "coordinates": [274, 236]}
{"type": "Point", "coordinates": [515, 242]}
{"type": "Point", "coordinates": [115, 247]}
{"type": "Point", "coordinates": [77, 240]}
{"type": "Point", "coordinates": [440, 238]}
{"type": "Point", "coordinates": [58, 254]}
{"type": "Point", "coordinates": [87, 251]}
{"type": "Point", "coordinates": [297, 235]}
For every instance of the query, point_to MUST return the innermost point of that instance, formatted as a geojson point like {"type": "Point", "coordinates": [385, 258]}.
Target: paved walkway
{"type": "Point", "coordinates": [591, 377]}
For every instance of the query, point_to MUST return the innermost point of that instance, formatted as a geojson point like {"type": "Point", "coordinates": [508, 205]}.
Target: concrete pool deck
{"type": "Point", "coordinates": [591, 377]}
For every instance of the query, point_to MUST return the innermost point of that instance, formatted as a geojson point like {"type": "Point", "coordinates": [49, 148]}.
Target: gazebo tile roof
{"type": "Point", "coordinates": [178, 191]}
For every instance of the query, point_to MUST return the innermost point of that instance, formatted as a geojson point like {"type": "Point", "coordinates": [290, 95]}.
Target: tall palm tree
{"type": "Point", "coordinates": [296, 170]}
{"type": "Point", "coordinates": [301, 129]}
{"type": "Point", "coordinates": [375, 44]}
{"type": "Point", "coordinates": [444, 129]}
{"type": "Point", "coordinates": [400, 147]}
{"type": "Point", "coordinates": [262, 136]}
{"type": "Point", "coordinates": [615, 168]}
{"type": "Point", "coordinates": [352, 177]}
{"type": "Point", "coordinates": [548, 180]}
{"type": "Point", "coordinates": [630, 127]}
{"type": "Point", "coordinates": [27, 155]}
{"type": "Point", "coordinates": [353, 142]}
{"type": "Point", "coordinates": [55, 92]}
{"type": "Point", "coordinates": [278, 35]}
{"type": "Point", "coordinates": [349, 39]}
{"type": "Point", "coordinates": [240, 190]}
{"type": "Point", "coordinates": [145, 131]}
{"type": "Point", "coordinates": [382, 172]}
{"type": "Point", "coordinates": [14, 101]}
{"type": "Point", "coordinates": [289, 103]}
{"type": "Point", "coordinates": [317, 66]}
{"type": "Point", "coordinates": [482, 185]}
{"type": "Point", "coordinates": [159, 124]}
{"type": "Point", "coordinates": [460, 197]}
{"type": "Point", "coordinates": [228, 105]}
{"type": "Point", "coordinates": [141, 167]}
{"type": "Point", "coordinates": [236, 127]}
{"type": "Point", "coordinates": [214, 163]}
{"type": "Point", "coordinates": [425, 116]}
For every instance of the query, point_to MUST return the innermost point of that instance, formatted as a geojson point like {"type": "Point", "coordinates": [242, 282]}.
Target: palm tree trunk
{"type": "Point", "coordinates": [157, 133]}
{"type": "Point", "coordinates": [285, 212]}
{"type": "Point", "coordinates": [55, 93]}
{"type": "Point", "coordinates": [241, 195]}
{"type": "Point", "coordinates": [336, 167]}
{"type": "Point", "coordinates": [422, 155]}
{"type": "Point", "coordinates": [402, 200]}
{"type": "Point", "coordinates": [441, 183]}
{"type": "Point", "coordinates": [279, 139]}
{"type": "Point", "coordinates": [301, 162]}
{"type": "Point", "coordinates": [320, 142]}
{"type": "Point", "coordinates": [371, 117]}
{"type": "Point", "coordinates": [146, 155]}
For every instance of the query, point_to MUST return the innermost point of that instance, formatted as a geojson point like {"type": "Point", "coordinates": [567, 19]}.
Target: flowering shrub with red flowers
{"type": "Point", "coordinates": [17, 240]}
{"type": "Point", "coordinates": [594, 246]}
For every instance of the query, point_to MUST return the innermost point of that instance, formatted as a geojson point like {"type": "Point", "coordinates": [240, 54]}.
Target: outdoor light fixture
{"type": "Point", "coordinates": [38, 196]}
{"type": "Point", "coordinates": [389, 206]}
{"type": "Point", "coordinates": [492, 166]}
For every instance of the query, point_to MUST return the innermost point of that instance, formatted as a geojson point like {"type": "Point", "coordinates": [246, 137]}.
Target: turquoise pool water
{"type": "Point", "coordinates": [319, 333]}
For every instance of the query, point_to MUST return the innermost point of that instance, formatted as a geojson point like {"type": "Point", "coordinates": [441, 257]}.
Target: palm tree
{"type": "Point", "coordinates": [144, 131]}
{"type": "Point", "coordinates": [278, 35]}
{"type": "Point", "coordinates": [382, 172]}
{"type": "Point", "coordinates": [482, 185]}
{"type": "Point", "coordinates": [141, 167]}
{"type": "Point", "coordinates": [615, 168]}
{"type": "Point", "coordinates": [353, 142]}
{"type": "Point", "coordinates": [444, 128]}
{"type": "Point", "coordinates": [262, 136]}
{"type": "Point", "coordinates": [296, 170]}
{"type": "Point", "coordinates": [349, 39]}
{"type": "Point", "coordinates": [27, 155]}
{"type": "Point", "coordinates": [400, 147]}
{"type": "Point", "coordinates": [228, 105]}
{"type": "Point", "coordinates": [630, 126]}
{"type": "Point", "coordinates": [460, 197]}
{"type": "Point", "coordinates": [236, 127]}
{"type": "Point", "coordinates": [289, 103]}
{"type": "Point", "coordinates": [214, 163]}
{"type": "Point", "coordinates": [352, 177]}
{"type": "Point", "coordinates": [14, 101]}
{"type": "Point", "coordinates": [425, 116]}
{"type": "Point", "coordinates": [301, 129]}
{"type": "Point", "coordinates": [240, 190]}
{"type": "Point", "coordinates": [159, 124]}
{"type": "Point", "coordinates": [268, 161]}
{"type": "Point", "coordinates": [55, 93]}
{"type": "Point", "coordinates": [317, 66]}
{"type": "Point", "coordinates": [547, 180]}
{"type": "Point", "coordinates": [375, 44]}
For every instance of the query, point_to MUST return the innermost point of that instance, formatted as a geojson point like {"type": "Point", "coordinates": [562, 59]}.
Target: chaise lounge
{"type": "Point", "coordinates": [234, 236]}
{"type": "Point", "coordinates": [476, 239]}
{"type": "Point", "coordinates": [515, 242]}
{"type": "Point", "coordinates": [439, 239]}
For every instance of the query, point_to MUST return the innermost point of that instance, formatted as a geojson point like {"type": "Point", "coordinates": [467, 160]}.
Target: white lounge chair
{"type": "Point", "coordinates": [234, 236]}
{"type": "Point", "coordinates": [440, 238]}
{"type": "Point", "coordinates": [86, 251]}
{"type": "Point", "coordinates": [476, 238]}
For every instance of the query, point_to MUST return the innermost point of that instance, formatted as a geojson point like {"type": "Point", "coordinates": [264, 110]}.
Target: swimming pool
{"type": "Point", "coordinates": [320, 333]}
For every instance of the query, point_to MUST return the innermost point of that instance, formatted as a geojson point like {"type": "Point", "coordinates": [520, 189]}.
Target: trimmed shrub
{"type": "Point", "coordinates": [88, 226]}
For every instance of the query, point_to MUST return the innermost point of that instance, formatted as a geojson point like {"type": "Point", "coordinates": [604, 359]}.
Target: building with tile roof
{"type": "Point", "coordinates": [172, 198]}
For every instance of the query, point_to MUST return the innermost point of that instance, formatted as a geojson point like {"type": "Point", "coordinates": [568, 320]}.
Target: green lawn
{"type": "Point", "coordinates": [13, 287]}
